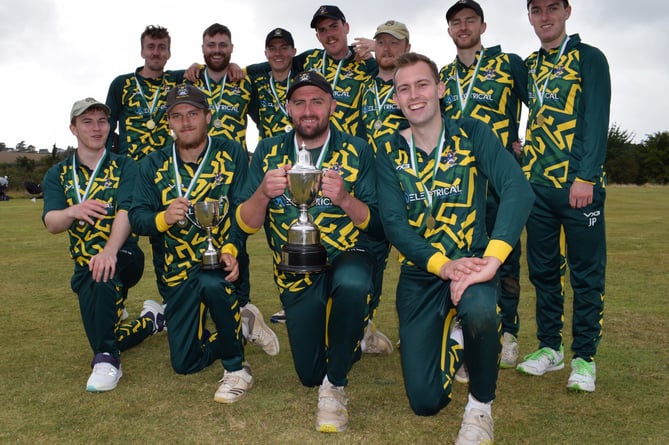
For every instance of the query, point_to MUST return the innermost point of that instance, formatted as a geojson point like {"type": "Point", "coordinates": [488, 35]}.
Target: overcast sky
{"type": "Point", "coordinates": [55, 52]}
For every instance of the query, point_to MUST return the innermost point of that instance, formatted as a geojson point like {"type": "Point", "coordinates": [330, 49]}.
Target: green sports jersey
{"type": "Point", "coordinates": [454, 225]}
{"type": "Point", "coordinates": [269, 109]}
{"type": "Point", "coordinates": [113, 184]}
{"type": "Point", "coordinates": [348, 78]}
{"type": "Point", "coordinates": [568, 121]}
{"type": "Point", "coordinates": [496, 96]}
{"type": "Point", "coordinates": [354, 160]}
{"type": "Point", "coordinates": [380, 114]}
{"type": "Point", "coordinates": [223, 171]}
{"type": "Point", "coordinates": [229, 103]}
{"type": "Point", "coordinates": [137, 106]}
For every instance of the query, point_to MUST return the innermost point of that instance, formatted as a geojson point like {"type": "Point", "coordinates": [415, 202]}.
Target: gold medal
{"type": "Point", "coordinates": [288, 128]}
{"type": "Point", "coordinates": [378, 124]}
{"type": "Point", "coordinates": [430, 222]}
{"type": "Point", "coordinates": [541, 120]}
{"type": "Point", "coordinates": [218, 123]}
{"type": "Point", "coordinates": [150, 124]}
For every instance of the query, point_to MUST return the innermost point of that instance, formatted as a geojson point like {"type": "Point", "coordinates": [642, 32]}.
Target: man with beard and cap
{"type": "Point", "coordinates": [487, 84]}
{"type": "Point", "coordinates": [229, 102]}
{"type": "Point", "coordinates": [325, 312]}
{"type": "Point", "coordinates": [195, 169]}
{"type": "Point", "coordinates": [563, 158]}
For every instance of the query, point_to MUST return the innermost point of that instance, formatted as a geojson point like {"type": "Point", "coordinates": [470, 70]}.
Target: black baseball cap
{"type": "Point", "coordinates": [462, 4]}
{"type": "Point", "coordinates": [566, 3]}
{"type": "Point", "coordinates": [309, 78]}
{"type": "Point", "coordinates": [327, 12]}
{"type": "Point", "coordinates": [186, 94]}
{"type": "Point", "coordinates": [279, 33]}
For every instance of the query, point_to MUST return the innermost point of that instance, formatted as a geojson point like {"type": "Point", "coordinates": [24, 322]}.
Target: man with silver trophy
{"type": "Point", "coordinates": [182, 193]}
{"type": "Point", "coordinates": [325, 296]}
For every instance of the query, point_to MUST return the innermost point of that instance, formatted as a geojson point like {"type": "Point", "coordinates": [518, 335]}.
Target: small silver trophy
{"type": "Point", "coordinates": [209, 214]}
{"type": "Point", "coordinates": [303, 253]}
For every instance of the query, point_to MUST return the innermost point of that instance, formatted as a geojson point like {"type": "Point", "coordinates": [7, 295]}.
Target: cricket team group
{"type": "Point", "coordinates": [424, 160]}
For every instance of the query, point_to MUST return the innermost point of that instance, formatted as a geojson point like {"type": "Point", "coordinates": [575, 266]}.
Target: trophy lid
{"type": "Point", "coordinates": [304, 162]}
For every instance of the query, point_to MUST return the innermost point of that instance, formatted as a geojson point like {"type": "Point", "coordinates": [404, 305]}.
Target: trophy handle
{"type": "Point", "coordinates": [223, 208]}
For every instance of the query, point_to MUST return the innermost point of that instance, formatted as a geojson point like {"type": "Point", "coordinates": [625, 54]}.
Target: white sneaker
{"type": "Point", "coordinates": [542, 361]}
{"type": "Point", "coordinates": [105, 375]}
{"type": "Point", "coordinates": [278, 317]}
{"type": "Point", "coordinates": [259, 333]}
{"type": "Point", "coordinates": [332, 415]}
{"type": "Point", "coordinates": [509, 351]}
{"type": "Point", "coordinates": [156, 312]}
{"type": "Point", "coordinates": [477, 428]}
{"type": "Point", "coordinates": [375, 341]}
{"type": "Point", "coordinates": [234, 385]}
{"type": "Point", "coordinates": [583, 375]}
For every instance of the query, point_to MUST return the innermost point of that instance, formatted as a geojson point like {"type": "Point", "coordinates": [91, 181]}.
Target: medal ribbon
{"type": "Point", "coordinates": [437, 161]}
{"type": "Point", "coordinates": [463, 99]}
{"type": "Point", "coordinates": [91, 180]}
{"type": "Point", "coordinates": [541, 91]}
{"type": "Point", "coordinates": [276, 95]}
{"type": "Point", "coordinates": [177, 177]}
{"type": "Point", "coordinates": [155, 96]}
{"type": "Point", "coordinates": [379, 104]}
{"type": "Point", "coordinates": [217, 105]}
{"type": "Point", "coordinates": [324, 150]}
{"type": "Point", "coordinates": [336, 78]}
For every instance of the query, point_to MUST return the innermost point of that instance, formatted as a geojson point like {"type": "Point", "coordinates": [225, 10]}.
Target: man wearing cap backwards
{"type": "Point", "coordinates": [567, 129]}
{"type": "Point", "coordinates": [338, 64]}
{"type": "Point", "coordinates": [489, 85]}
{"type": "Point", "coordinates": [229, 103]}
{"type": "Point", "coordinates": [196, 168]}
{"type": "Point", "coordinates": [433, 177]}
{"type": "Point", "coordinates": [325, 312]}
{"type": "Point", "coordinates": [89, 195]}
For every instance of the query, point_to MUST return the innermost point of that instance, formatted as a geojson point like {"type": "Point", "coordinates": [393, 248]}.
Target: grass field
{"type": "Point", "coordinates": [44, 359]}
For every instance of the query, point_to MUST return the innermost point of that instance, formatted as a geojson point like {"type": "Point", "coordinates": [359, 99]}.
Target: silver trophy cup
{"type": "Point", "coordinates": [209, 214]}
{"type": "Point", "coordinates": [303, 253]}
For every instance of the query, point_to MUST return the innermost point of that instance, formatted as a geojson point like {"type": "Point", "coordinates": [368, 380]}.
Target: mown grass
{"type": "Point", "coordinates": [44, 359]}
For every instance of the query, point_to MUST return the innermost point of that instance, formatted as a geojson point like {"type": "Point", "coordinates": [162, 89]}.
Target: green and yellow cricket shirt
{"type": "Point", "coordinates": [137, 106]}
{"type": "Point", "coordinates": [113, 184]}
{"type": "Point", "coordinates": [218, 174]}
{"type": "Point", "coordinates": [380, 115]}
{"type": "Point", "coordinates": [347, 78]}
{"type": "Point", "coordinates": [492, 90]}
{"type": "Point", "coordinates": [229, 102]}
{"type": "Point", "coordinates": [442, 196]}
{"type": "Point", "coordinates": [268, 110]}
{"type": "Point", "coordinates": [569, 103]}
{"type": "Point", "coordinates": [348, 155]}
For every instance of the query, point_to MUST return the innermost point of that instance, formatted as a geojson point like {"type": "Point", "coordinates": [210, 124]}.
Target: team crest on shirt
{"type": "Point", "coordinates": [218, 179]}
{"type": "Point", "coordinates": [108, 183]}
{"type": "Point", "coordinates": [559, 71]}
{"type": "Point", "coordinates": [490, 74]}
{"type": "Point", "coordinates": [450, 157]}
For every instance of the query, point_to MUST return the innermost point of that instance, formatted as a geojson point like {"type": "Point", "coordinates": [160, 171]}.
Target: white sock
{"type": "Point", "coordinates": [457, 335]}
{"type": "Point", "coordinates": [473, 403]}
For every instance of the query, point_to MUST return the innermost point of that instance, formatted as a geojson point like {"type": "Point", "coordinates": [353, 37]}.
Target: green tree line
{"type": "Point", "coordinates": [626, 162]}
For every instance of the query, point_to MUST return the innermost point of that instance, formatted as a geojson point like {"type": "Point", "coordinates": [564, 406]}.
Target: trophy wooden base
{"type": "Point", "coordinates": [303, 259]}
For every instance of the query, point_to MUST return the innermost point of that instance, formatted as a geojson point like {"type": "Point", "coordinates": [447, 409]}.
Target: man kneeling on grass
{"type": "Point", "coordinates": [89, 195]}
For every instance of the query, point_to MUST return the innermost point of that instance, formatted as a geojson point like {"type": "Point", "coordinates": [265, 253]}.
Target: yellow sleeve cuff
{"type": "Point", "coordinates": [363, 225]}
{"type": "Point", "coordinates": [583, 180]}
{"type": "Point", "coordinates": [240, 222]}
{"type": "Point", "coordinates": [498, 249]}
{"type": "Point", "coordinates": [436, 262]}
{"type": "Point", "coordinates": [229, 248]}
{"type": "Point", "coordinates": [161, 224]}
